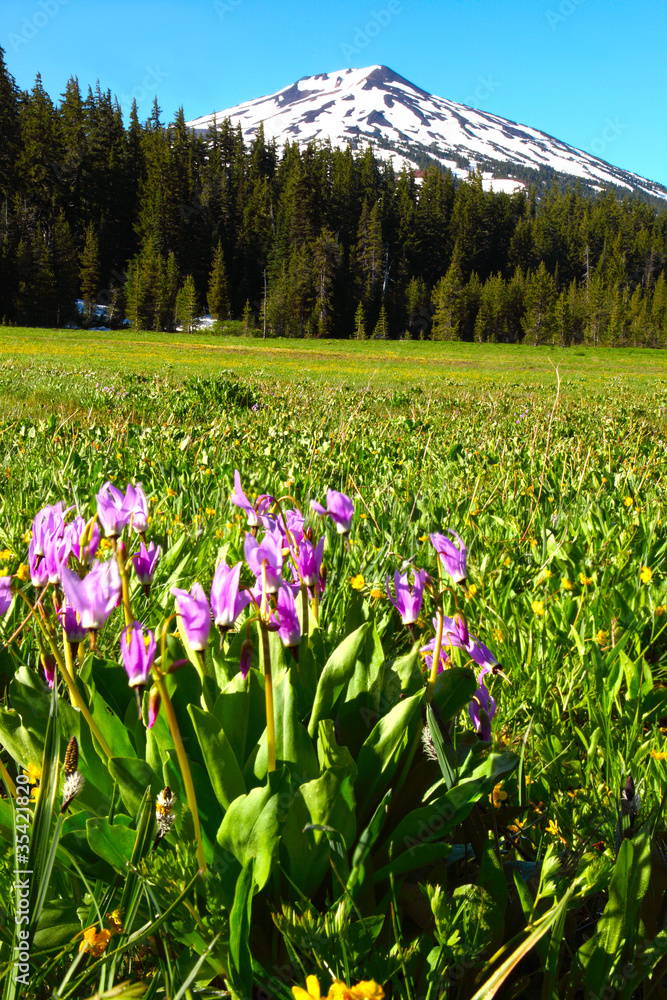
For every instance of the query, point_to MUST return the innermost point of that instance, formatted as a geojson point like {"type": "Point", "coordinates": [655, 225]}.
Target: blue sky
{"type": "Point", "coordinates": [590, 72]}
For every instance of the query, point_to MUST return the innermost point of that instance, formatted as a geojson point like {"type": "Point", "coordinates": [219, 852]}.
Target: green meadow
{"type": "Point", "coordinates": [531, 862]}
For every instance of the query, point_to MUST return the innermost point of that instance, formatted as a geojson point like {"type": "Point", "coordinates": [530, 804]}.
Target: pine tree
{"type": "Point", "coordinates": [247, 318]}
{"type": "Point", "coordinates": [417, 308]}
{"type": "Point", "coordinates": [89, 274]}
{"type": "Point", "coordinates": [360, 323]}
{"type": "Point", "coordinates": [447, 302]}
{"type": "Point", "coordinates": [218, 287]}
{"type": "Point", "coordinates": [381, 331]}
{"type": "Point", "coordinates": [187, 306]}
{"type": "Point", "coordinates": [538, 321]}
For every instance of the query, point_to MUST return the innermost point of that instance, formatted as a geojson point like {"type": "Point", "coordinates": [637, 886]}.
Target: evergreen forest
{"type": "Point", "coordinates": [158, 224]}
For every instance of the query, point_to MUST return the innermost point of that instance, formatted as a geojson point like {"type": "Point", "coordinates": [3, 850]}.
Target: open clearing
{"type": "Point", "coordinates": [427, 364]}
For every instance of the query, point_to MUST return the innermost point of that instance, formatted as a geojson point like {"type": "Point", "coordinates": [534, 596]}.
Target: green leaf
{"type": "Point", "coordinates": [252, 825]}
{"type": "Point", "coordinates": [132, 776]}
{"type": "Point", "coordinates": [330, 754]}
{"type": "Point", "coordinates": [219, 760]}
{"type": "Point", "coordinates": [293, 744]}
{"type": "Point", "coordinates": [454, 689]}
{"type": "Point", "coordinates": [239, 932]}
{"type": "Point", "coordinates": [380, 754]}
{"type": "Point", "coordinates": [113, 842]}
{"type": "Point", "coordinates": [337, 671]}
{"type": "Point", "coordinates": [327, 802]}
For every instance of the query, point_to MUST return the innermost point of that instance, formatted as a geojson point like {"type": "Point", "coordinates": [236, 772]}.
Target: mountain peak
{"type": "Point", "coordinates": [376, 105]}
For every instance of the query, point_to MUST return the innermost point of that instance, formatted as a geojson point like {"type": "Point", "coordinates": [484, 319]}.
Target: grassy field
{"type": "Point", "coordinates": [425, 364]}
{"type": "Point", "coordinates": [561, 504]}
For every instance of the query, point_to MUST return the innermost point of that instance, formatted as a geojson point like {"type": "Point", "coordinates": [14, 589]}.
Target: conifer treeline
{"type": "Point", "coordinates": [152, 220]}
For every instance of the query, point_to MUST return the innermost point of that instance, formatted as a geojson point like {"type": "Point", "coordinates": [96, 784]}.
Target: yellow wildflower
{"type": "Point", "coordinates": [507, 561]}
{"type": "Point", "coordinates": [601, 637]}
{"type": "Point", "coordinates": [533, 542]}
{"type": "Point", "coordinates": [368, 989]}
{"type": "Point", "coordinates": [552, 828]}
{"type": "Point", "coordinates": [23, 572]}
{"type": "Point", "coordinates": [538, 608]}
{"type": "Point", "coordinates": [471, 591]}
{"type": "Point", "coordinates": [27, 535]}
{"type": "Point", "coordinates": [376, 592]}
{"type": "Point", "coordinates": [628, 501]}
{"type": "Point", "coordinates": [210, 511]}
{"type": "Point", "coordinates": [357, 582]}
{"type": "Point", "coordinates": [311, 992]}
{"type": "Point", "coordinates": [660, 610]}
{"type": "Point", "coordinates": [498, 635]}
{"type": "Point", "coordinates": [93, 942]}
{"type": "Point", "coordinates": [219, 533]}
{"type": "Point", "coordinates": [658, 754]}
{"type": "Point", "coordinates": [6, 554]}
{"type": "Point", "coordinates": [517, 826]}
{"type": "Point", "coordinates": [584, 580]}
{"type": "Point", "coordinates": [116, 924]}
{"type": "Point", "coordinates": [105, 545]}
{"type": "Point", "coordinates": [497, 796]}
{"type": "Point", "coordinates": [171, 493]}
{"type": "Point", "coordinates": [645, 574]}
{"type": "Point", "coordinates": [547, 574]}
{"type": "Point", "coordinates": [423, 538]}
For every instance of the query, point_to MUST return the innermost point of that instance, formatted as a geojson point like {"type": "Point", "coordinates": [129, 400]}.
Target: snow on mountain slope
{"type": "Point", "coordinates": [378, 106]}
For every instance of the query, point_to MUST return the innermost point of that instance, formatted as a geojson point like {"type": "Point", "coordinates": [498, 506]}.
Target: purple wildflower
{"type": "Point", "coordinates": [256, 515]}
{"type": "Point", "coordinates": [5, 594]}
{"type": "Point", "coordinates": [154, 702]}
{"type": "Point", "coordinates": [56, 554]}
{"type": "Point", "coordinates": [74, 532]}
{"type": "Point", "coordinates": [138, 652]}
{"type": "Point", "coordinates": [74, 631]}
{"type": "Point", "coordinates": [453, 558]}
{"type": "Point", "coordinates": [309, 561]}
{"type": "Point", "coordinates": [49, 668]}
{"type": "Point", "coordinates": [429, 650]}
{"type": "Point", "coordinates": [94, 597]}
{"type": "Point", "coordinates": [339, 508]}
{"type": "Point", "coordinates": [135, 500]}
{"type": "Point", "coordinates": [195, 614]}
{"type": "Point", "coordinates": [289, 628]}
{"type": "Point", "coordinates": [408, 602]}
{"type": "Point", "coordinates": [145, 561]}
{"type": "Point", "coordinates": [291, 526]}
{"type": "Point", "coordinates": [38, 572]}
{"type": "Point", "coordinates": [482, 708]}
{"type": "Point", "coordinates": [267, 553]}
{"type": "Point", "coordinates": [246, 657]}
{"type": "Point", "coordinates": [226, 600]}
{"type": "Point", "coordinates": [47, 521]}
{"type": "Point", "coordinates": [112, 509]}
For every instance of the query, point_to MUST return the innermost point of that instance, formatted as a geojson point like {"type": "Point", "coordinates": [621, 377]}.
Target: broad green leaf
{"type": "Point", "coordinates": [293, 744]}
{"type": "Point", "coordinates": [326, 801]}
{"type": "Point", "coordinates": [252, 825]}
{"type": "Point", "coordinates": [133, 776]}
{"type": "Point", "coordinates": [330, 754]}
{"type": "Point", "coordinates": [113, 842]}
{"type": "Point", "coordinates": [454, 689]}
{"type": "Point", "coordinates": [221, 764]}
{"type": "Point", "coordinates": [379, 756]}
{"type": "Point", "coordinates": [337, 671]}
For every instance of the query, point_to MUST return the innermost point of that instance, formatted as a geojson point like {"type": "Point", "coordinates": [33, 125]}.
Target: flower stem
{"type": "Point", "coordinates": [430, 687]}
{"type": "Point", "coordinates": [304, 610]}
{"type": "Point", "coordinates": [268, 694]}
{"type": "Point", "coordinates": [315, 604]}
{"type": "Point", "coordinates": [125, 583]}
{"type": "Point", "coordinates": [183, 764]}
{"type": "Point", "coordinates": [67, 670]}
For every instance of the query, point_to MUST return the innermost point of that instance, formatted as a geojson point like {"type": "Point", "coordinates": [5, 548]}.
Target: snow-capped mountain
{"type": "Point", "coordinates": [404, 122]}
